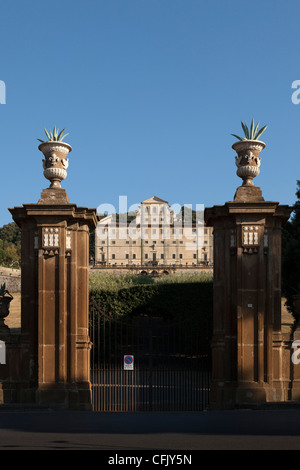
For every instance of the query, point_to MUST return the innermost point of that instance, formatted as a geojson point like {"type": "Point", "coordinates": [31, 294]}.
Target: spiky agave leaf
{"type": "Point", "coordinates": [47, 133]}
{"type": "Point", "coordinates": [260, 132]}
{"type": "Point", "coordinates": [255, 130]}
{"type": "Point", "coordinates": [237, 137]}
{"type": "Point", "coordinates": [2, 289]}
{"type": "Point", "coordinates": [54, 133]}
{"type": "Point", "coordinates": [60, 134]}
{"type": "Point", "coordinates": [245, 129]}
{"type": "Point", "coordinates": [254, 134]}
{"type": "Point", "coordinates": [54, 136]}
{"type": "Point", "coordinates": [61, 139]}
{"type": "Point", "coordinates": [252, 129]}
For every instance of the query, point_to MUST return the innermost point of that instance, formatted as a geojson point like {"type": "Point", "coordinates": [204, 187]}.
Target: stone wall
{"type": "Point", "coordinates": [12, 279]}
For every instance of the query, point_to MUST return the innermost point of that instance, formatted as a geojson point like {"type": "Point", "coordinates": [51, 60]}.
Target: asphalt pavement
{"type": "Point", "coordinates": [47, 429]}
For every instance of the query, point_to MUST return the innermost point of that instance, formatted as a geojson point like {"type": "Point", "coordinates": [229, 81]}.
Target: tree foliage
{"type": "Point", "coordinates": [10, 245]}
{"type": "Point", "coordinates": [291, 253]}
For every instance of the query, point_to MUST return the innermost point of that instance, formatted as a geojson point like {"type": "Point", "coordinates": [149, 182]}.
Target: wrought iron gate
{"type": "Point", "coordinates": [171, 363]}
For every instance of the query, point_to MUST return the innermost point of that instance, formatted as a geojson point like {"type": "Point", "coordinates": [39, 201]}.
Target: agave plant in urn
{"type": "Point", "coordinates": [248, 149]}
{"type": "Point", "coordinates": [55, 152]}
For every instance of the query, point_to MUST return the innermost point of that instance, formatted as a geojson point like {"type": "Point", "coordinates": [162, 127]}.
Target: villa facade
{"type": "Point", "coordinates": [155, 237]}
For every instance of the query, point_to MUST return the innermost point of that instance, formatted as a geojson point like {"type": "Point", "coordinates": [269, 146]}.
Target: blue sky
{"type": "Point", "coordinates": [150, 92]}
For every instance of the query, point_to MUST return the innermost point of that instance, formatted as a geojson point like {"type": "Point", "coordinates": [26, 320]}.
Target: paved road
{"type": "Point", "coordinates": [57, 430]}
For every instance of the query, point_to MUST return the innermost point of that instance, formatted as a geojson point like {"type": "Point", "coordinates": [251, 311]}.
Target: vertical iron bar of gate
{"type": "Point", "coordinates": [120, 358]}
{"type": "Point", "coordinates": [203, 365]}
{"type": "Point", "coordinates": [187, 366]}
{"type": "Point", "coordinates": [177, 371]}
{"type": "Point", "coordinates": [91, 323]}
{"type": "Point", "coordinates": [111, 365]}
{"type": "Point", "coordinates": [133, 349]}
{"type": "Point", "coordinates": [116, 366]}
{"type": "Point", "coordinates": [138, 366]}
{"type": "Point", "coordinates": [126, 375]}
{"type": "Point", "coordinates": [96, 365]}
{"type": "Point", "coordinates": [105, 365]}
{"type": "Point", "coordinates": [101, 378]}
{"type": "Point", "coordinates": [150, 368]}
{"type": "Point", "coordinates": [168, 363]}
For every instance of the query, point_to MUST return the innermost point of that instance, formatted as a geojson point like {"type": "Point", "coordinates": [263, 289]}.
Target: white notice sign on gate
{"type": "Point", "coordinates": [128, 362]}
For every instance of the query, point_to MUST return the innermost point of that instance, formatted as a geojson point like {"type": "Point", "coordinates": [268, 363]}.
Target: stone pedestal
{"type": "Point", "coordinates": [55, 346]}
{"type": "Point", "coordinates": [247, 345]}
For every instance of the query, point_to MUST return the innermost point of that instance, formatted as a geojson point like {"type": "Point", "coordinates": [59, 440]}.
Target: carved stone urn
{"type": "Point", "coordinates": [248, 160]}
{"type": "Point", "coordinates": [55, 163]}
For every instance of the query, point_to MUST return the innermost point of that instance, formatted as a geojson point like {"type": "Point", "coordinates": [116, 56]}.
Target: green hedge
{"type": "Point", "coordinates": [166, 300]}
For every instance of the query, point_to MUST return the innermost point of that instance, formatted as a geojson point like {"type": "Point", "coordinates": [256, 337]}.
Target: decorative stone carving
{"type": "Point", "coordinates": [50, 237]}
{"type": "Point", "coordinates": [248, 160]}
{"type": "Point", "coordinates": [55, 163]}
{"type": "Point", "coordinates": [250, 235]}
{"type": "Point", "coordinates": [68, 243]}
{"type": "Point", "coordinates": [250, 239]}
{"type": "Point", "coordinates": [68, 240]}
{"type": "Point", "coordinates": [50, 241]}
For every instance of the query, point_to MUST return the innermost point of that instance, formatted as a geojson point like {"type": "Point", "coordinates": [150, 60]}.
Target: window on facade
{"type": "Point", "coordinates": [134, 256]}
{"type": "Point", "coordinates": [127, 256]}
{"type": "Point", "coordinates": [113, 242]}
{"type": "Point", "coordinates": [127, 243]}
{"type": "Point", "coordinates": [205, 257]}
{"type": "Point", "coordinates": [180, 256]}
{"type": "Point", "coordinates": [103, 243]}
{"type": "Point", "coordinates": [162, 256]}
{"type": "Point", "coordinates": [195, 255]}
{"type": "Point", "coordinates": [173, 256]}
{"type": "Point", "coordinates": [146, 256]}
{"type": "Point", "coordinates": [205, 231]}
{"type": "Point", "coordinates": [154, 231]}
{"type": "Point", "coordinates": [154, 210]}
{"type": "Point", "coordinates": [113, 256]}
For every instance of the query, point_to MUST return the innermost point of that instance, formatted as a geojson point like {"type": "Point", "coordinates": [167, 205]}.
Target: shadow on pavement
{"type": "Point", "coordinates": [240, 422]}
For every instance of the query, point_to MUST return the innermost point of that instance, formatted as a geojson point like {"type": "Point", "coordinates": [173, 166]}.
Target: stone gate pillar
{"type": "Point", "coordinates": [248, 345]}
{"type": "Point", "coordinates": [54, 293]}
